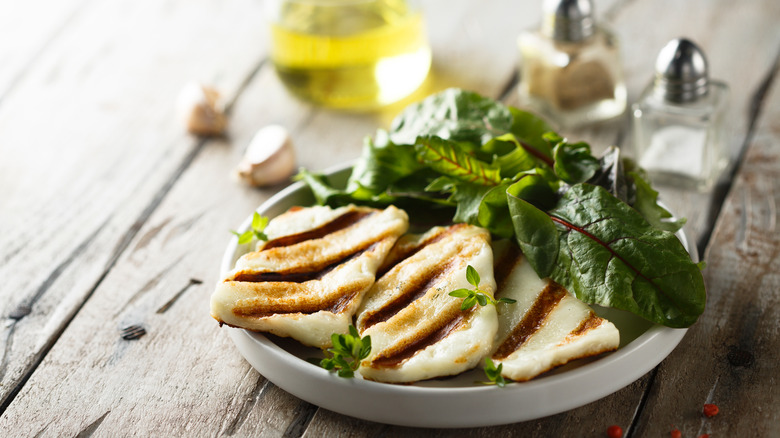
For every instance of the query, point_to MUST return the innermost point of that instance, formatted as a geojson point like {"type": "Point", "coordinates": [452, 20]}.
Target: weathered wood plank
{"type": "Point", "coordinates": [730, 356]}
{"type": "Point", "coordinates": [26, 32]}
{"type": "Point", "coordinates": [90, 142]}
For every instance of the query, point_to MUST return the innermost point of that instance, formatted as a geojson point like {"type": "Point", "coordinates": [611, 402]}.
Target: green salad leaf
{"type": "Point", "coordinates": [592, 224]}
{"type": "Point", "coordinates": [448, 158]}
{"type": "Point", "coordinates": [453, 114]}
{"type": "Point", "coordinates": [608, 254]}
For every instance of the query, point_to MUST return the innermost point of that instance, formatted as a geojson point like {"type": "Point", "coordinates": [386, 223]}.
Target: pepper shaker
{"type": "Point", "coordinates": [570, 70]}
{"type": "Point", "coordinates": [679, 120]}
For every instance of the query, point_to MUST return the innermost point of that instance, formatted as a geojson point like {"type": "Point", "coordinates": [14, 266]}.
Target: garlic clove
{"type": "Point", "coordinates": [202, 109]}
{"type": "Point", "coordinates": [269, 158]}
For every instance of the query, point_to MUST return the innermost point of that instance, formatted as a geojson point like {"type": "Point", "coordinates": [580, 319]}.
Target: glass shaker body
{"type": "Point", "coordinates": [682, 144]}
{"type": "Point", "coordinates": [572, 83]}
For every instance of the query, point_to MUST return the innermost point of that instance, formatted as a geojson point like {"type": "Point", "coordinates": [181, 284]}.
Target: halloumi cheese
{"type": "Point", "coordinates": [308, 279]}
{"type": "Point", "coordinates": [547, 326]}
{"type": "Point", "coordinates": [418, 331]}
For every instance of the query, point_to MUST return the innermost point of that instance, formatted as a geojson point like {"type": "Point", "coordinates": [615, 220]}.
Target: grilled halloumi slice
{"type": "Point", "coordinates": [547, 327]}
{"type": "Point", "coordinates": [307, 280]}
{"type": "Point", "coordinates": [418, 331]}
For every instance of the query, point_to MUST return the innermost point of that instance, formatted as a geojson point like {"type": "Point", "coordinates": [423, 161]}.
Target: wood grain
{"type": "Point", "coordinates": [730, 357]}
{"type": "Point", "coordinates": [132, 215]}
{"type": "Point", "coordinates": [90, 142]}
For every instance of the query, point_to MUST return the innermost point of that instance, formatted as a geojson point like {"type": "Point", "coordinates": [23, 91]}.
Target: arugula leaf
{"type": "Point", "coordinates": [453, 114]}
{"type": "Point", "coordinates": [610, 255]}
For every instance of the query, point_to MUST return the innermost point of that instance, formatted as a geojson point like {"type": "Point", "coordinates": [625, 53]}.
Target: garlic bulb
{"type": "Point", "coordinates": [269, 159]}
{"type": "Point", "coordinates": [202, 109]}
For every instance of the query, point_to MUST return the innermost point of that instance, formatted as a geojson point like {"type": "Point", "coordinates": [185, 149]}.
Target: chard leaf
{"type": "Point", "coordinates": [647, 205]}
{"type": "Point", "coordinates": [610, 255]}
{"type": "Point", "coordinates": [493, 212]}
{"type": "Point", "coordinates": [517, 159]}
{"type": "Point", "coordinates": [535, 232]}
{"type": "Point", "coordinates": [452, 114]}
{"type": "Point", "coordinates": [447, 158]}
{"type": "Point", "coordinates": [441, 184]}
{"type": "Point", "coordinates": [529, 129]}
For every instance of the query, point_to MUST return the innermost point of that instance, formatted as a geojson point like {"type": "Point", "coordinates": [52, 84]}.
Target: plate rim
{"type": "Point", "coordinates": [447, 407]}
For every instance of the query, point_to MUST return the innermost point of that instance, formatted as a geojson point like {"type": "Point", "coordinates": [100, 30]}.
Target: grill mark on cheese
{"type": "Point", "coordinates": [302, 273]}
{"type": "Point", "coordinates": [591, 322]}
{"type": "Point", "coordinates": [402, 252]}
{"type": "Point", "coordinates": [533, 320]}
{"type": "Point", "coordinates": [414, 290]}
{"type": "Point", "coordinates": [503, 268]}
{"type": "Point", "coordinates": [395, 357]}
{"type": "Point", "coordinates": [346, 220]}
{"type": "Point", "coordinates": [336, 304]}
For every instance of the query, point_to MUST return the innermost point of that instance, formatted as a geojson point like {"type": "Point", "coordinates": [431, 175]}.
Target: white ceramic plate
{"type": "Point", "coordinates": [454, 402]}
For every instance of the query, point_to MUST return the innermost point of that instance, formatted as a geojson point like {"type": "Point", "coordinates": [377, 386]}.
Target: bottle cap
{"type": "Point", "coordinates": [568, 20]}
{"type": "Point", "coordinates": [681, 72]}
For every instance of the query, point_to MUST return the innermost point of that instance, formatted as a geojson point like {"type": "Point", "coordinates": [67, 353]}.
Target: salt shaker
{"type": "Point", "coordinates": [679, 120]}
{"type": "Point", "coordinates": [570, 70]}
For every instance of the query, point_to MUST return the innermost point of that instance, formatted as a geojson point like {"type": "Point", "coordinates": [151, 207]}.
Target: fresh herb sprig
{"type": "Point", "coordinates": [477, 296]}
{"type": "Point", "coordinates": [256, 232]}
{"type": "Point", "coordinates": [347, 352]}
{"type": "Point", "coordinates": [493, 373]}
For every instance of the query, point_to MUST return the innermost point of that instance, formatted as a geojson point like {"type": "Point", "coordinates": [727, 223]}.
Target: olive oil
{"type": "Point", "coordinates": [355, 54]}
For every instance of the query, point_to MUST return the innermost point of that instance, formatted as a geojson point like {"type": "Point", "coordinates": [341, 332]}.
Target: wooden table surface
{"type": "Point", "coordinates": [112, 215]}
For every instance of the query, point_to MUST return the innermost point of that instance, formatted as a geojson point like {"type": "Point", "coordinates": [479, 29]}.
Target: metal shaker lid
{"type": "Point", "coordinates": [568, 20]}
{"type": "Point", "coordinates": [681, 72]}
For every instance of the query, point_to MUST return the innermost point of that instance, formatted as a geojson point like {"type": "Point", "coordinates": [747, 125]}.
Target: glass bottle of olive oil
{"type": "Point", "coordinates": [353, 54]}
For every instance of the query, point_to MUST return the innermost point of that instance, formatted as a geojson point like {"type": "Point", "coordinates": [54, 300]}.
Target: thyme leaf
{"type": "Point", "coordinates": [257, 230]}
{"type": "Point", "coordinates": [347, 352]}
{"type": "Point", "coordinates": [477, 296]}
